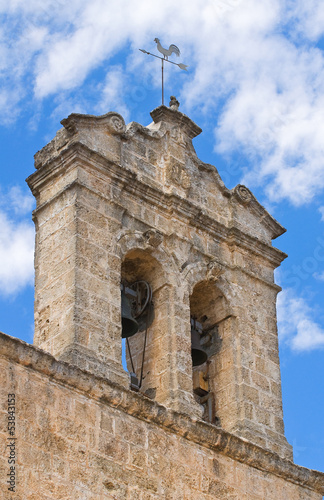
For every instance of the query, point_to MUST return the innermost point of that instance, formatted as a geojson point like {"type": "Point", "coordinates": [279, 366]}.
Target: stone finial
{"type": "Point", "coordinates": [174, 104]}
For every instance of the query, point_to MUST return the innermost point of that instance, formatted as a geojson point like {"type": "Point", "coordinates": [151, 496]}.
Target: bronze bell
{"type": "Point", "coordinates": [129, 325]}
{"type": "Point", "coordinates": [199, 356]}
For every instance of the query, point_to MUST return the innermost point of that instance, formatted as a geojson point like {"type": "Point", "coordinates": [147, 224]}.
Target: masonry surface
{"type": "Point", "coordinates": [83, 437]}
{"type": "Point", "coordinates": [118, 204]}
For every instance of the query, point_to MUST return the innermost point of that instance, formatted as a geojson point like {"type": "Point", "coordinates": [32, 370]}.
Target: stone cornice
{"type": "Point", "coordinates": [240, 239]}
{"type": "Point", "coordinates": [79, 154]}
{"type": "Point", "coordinates": [77, 126]}
{"type": "Point", "coordinates": [52, 168]}
{"type": "Point", "coordinates": [107, 393]}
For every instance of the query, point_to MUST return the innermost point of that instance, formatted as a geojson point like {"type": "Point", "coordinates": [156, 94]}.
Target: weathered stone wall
{"type": "Point", "coordinates": [117, 202]}
{"type": "Point", "coordinates": [82, 437]}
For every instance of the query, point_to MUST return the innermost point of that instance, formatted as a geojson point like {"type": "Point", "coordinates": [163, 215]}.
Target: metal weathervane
{"type": "Point", "coordinates": [173, 49]}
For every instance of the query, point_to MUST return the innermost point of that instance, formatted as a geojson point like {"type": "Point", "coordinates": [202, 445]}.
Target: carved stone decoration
{"type": "Point", "coordinates": [185, 179]}
{"type": "Point", "coordinates": [178, 175]}
{"type": "Point", "coordinates": [214, 270]}
{"type": "Point", "coordinates": [243, 193]}
{"type": "Point", "coordinates": [116, 124]}
{"type": "Point", "coordinates": [153, 238]}
{"type": "Point", "coordinates": [112, 122]}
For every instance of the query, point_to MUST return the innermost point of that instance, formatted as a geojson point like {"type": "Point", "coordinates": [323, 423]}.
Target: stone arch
{"type": "Point", "coordinates": [152, 243]}
{"type": "Point", "coordinates": [210, 306]}
{"type": "Point", "coordinates": [143, 257]}
{"type": "Point", "coordinates": [208, 303]}
{"type": "Point", "coordinates": [208, 271]}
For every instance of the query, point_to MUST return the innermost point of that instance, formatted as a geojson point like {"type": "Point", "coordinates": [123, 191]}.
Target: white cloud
{"type": "Point", "coordinates": [295, 323]}
{"type": "Point", "coordinates": [20, 201]}
{"type": "Point", "coordinates": [113, 92]}
{"type": "Point", "coordinates": [319, 276]}
{"type": "Point", "coordinates": [250, 60]}
{"type": "Point", "coordinates": [16, 241]}
{"type": "Point", "coordinates": [273, 113]}
{"type": "Point", "coordinates": [16, 200]}
{"type": "Point", "coordinates": [16, 255]}
{"type": "Point", "coordinates": [308, 16]}
{"type": "Point", "coordinates": [10, 104]}
{"type": "Point", "coordinates": [321, 210]}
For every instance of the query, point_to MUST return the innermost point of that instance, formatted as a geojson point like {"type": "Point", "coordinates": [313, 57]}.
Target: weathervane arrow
{"type": "Point", "coordinates": [173, 49]}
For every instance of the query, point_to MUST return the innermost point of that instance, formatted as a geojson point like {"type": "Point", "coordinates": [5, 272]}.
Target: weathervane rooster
{"type": "Point", "coordinates": [173, 49]}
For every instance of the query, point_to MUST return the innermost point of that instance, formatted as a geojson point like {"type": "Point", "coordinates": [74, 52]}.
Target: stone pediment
{"type": "Point", "coordinates": [161, 155]}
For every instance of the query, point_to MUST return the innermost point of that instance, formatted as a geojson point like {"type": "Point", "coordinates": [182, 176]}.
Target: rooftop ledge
{"type": "Point", "coordinates": [135, 404]}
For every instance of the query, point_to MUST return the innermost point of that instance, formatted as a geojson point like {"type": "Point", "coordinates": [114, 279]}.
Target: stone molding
{"type": "Point", "coordinates": [150, 241]}
{"type": "Point", "coordinates": [208, 270]}
{"type": "Point", "coordinates": [166, 202]}
{"type": "Point", "coordinates": [165, 119]}
{"type": "Point", "coordinates": [237, 238]}
{"type": "Point", "coordinates": [112, 122]}
{"type": "Point", "coordinates": [143, 408]}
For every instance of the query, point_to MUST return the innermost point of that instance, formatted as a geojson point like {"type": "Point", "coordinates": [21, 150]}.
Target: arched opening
{"type": "Point", "coordinates": [208, 311]}
{"type": "Point", "coordinates": [143, 351]}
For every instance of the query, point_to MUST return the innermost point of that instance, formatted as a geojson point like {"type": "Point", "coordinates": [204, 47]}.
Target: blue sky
{"type": "Point", "coordinates": [255, 84]}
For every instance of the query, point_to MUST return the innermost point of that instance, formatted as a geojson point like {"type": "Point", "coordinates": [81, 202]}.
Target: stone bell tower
{"type": "Point", "coordinates": [121, 204]}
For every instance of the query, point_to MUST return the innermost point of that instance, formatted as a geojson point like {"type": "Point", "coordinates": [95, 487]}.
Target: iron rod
{"type": "Point", "coordinates": [162, 84]}
{"type": "Point", "coordinates": [180, 65]}
{"type": "Point", "coordinates": [158, 57]}
{"type": "Point", "coordinates": [130, 355]}
{"type": "Point", "coordinates": [144, 348]}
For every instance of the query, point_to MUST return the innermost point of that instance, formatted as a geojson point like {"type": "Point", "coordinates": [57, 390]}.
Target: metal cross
{"type": "Point", "coordinates": [173, 49]}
